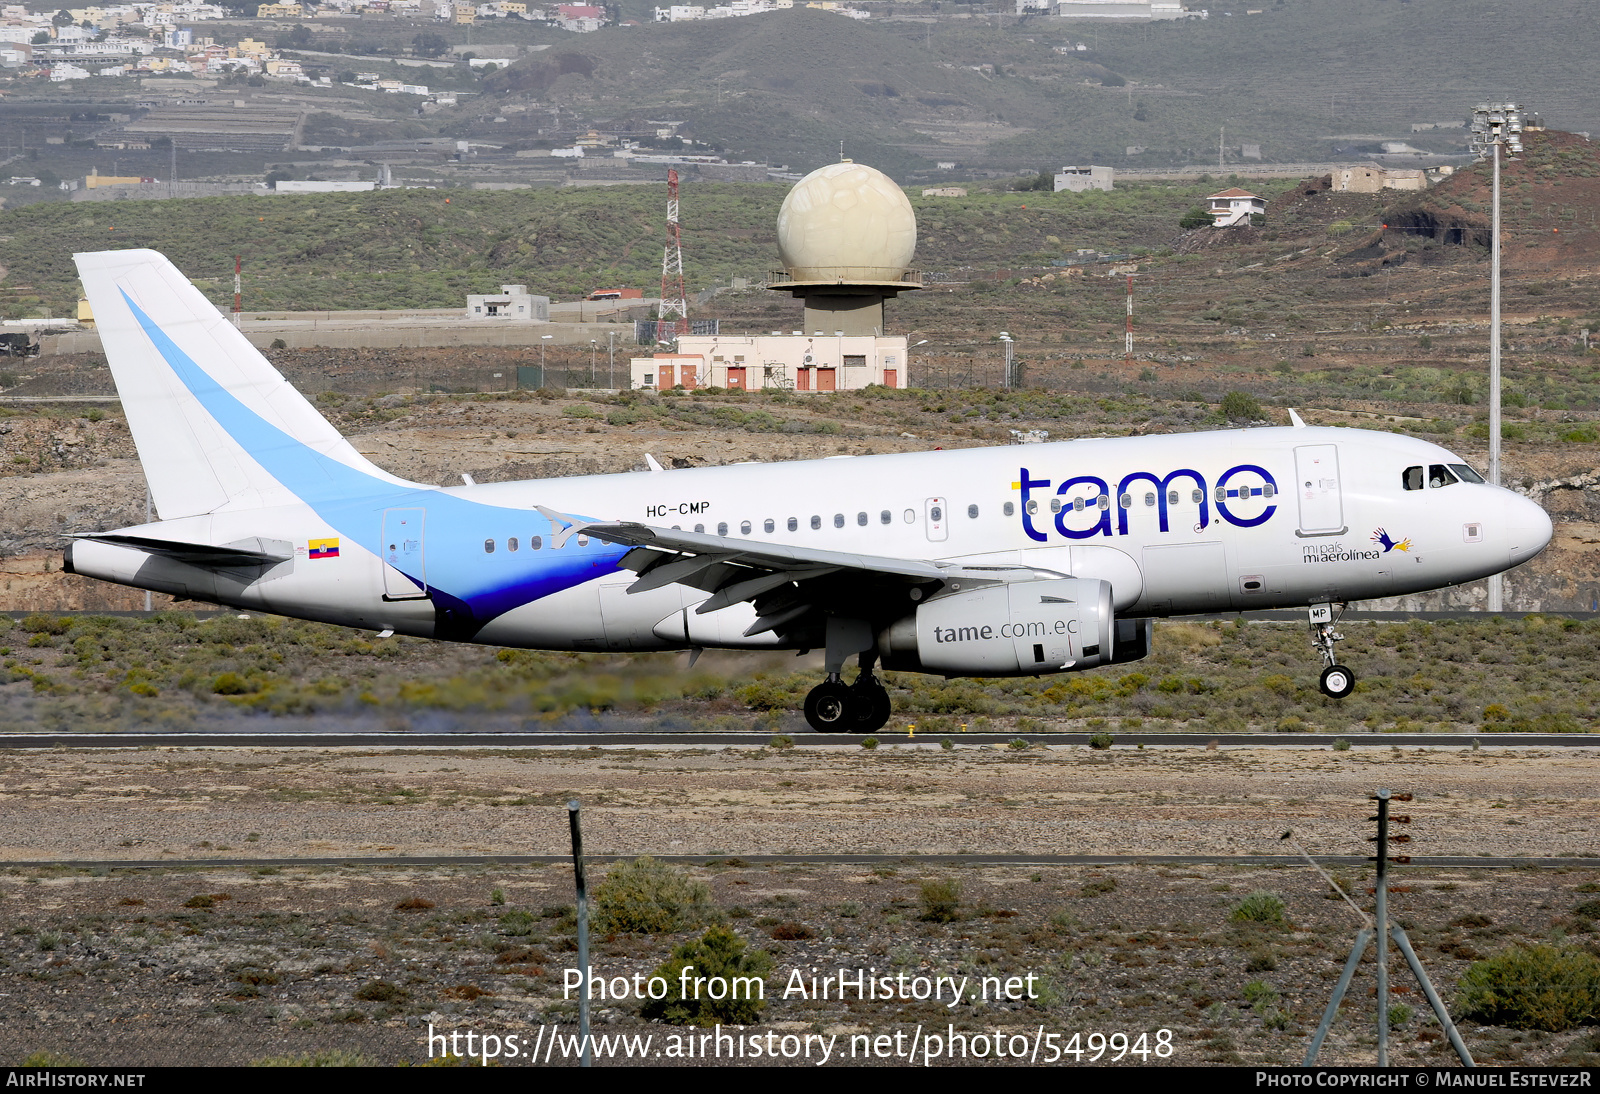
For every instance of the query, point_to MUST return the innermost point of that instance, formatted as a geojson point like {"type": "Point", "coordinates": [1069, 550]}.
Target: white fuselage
{"type": "Point", "coordinates": [1224, 521]}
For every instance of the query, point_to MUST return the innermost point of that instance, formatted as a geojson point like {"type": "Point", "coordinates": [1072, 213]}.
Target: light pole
{"type": "Point", "coordinates": [1009, 381]}
{"type": "Point", "coordinates": [611, 369]}
{"type": "Point", "coordinates": [544, 377]}
{"type": "Point", "coordinates": [1494, 124]}
{"type": "Point", "coordinates": [593, 346]}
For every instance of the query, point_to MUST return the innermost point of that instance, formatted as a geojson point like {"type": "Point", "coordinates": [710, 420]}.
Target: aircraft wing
{"type": "Point", "coordinates": [791, 587]}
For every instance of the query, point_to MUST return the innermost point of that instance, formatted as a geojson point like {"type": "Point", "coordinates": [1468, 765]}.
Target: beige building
{"type": "Point", "coordinates": [1079, 179]}
{"type": "Point", "coordinates": [820, 363]}
{"type": "Point", "coordinates": [1370, 178]}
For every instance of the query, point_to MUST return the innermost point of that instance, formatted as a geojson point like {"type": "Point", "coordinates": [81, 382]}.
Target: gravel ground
{"type": "Point", "coordinates": [195, 965]}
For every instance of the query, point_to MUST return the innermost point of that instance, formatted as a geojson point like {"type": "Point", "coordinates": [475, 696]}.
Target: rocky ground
{"type": "Point", "coordinates": [199, 964]}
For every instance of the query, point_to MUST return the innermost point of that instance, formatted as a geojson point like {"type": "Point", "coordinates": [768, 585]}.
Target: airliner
{"type": "Point", "coordinates": [1022, 560]}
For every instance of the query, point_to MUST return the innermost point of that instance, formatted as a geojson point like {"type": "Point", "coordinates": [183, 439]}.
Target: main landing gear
{"type": "Point", "coordinates": [862, 707]}
{"type": "Point", "coordinates": [1337, 681]}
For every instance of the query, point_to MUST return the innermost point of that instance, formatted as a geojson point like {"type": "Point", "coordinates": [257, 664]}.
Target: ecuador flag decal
{"type": "Point", "coordinates": [323, 548]}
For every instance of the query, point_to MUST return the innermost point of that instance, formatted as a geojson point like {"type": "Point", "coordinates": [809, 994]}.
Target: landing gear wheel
{"type": "Point", "coordinates": [869, 706]}
{"type": "Point", "coordinates": [830, 707]}
{"type": "Point", "coordinates": [1337, 681]}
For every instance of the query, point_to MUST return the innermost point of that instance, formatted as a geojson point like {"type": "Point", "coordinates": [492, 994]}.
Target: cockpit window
{"type": "Point", "coordinates": [1467, 474]}
{"type": "Point", "coordinates": [1411, 478]}
{"type": "Point", "coordinates": [1440, 475]}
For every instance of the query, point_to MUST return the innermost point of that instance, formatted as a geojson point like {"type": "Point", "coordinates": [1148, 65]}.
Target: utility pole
{"type": "Point", "coordinates": [1382, 932]}
{"type": "Point", "coordinates": [1128, 348]}
{"type": "Point", "coordinates": [238, 295]}
{"type": "Point", "coordinates": [611, 369]}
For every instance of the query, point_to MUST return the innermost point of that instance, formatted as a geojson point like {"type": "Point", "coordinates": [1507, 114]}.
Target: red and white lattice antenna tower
{"type": "Point", "coordinates": [674, 305]}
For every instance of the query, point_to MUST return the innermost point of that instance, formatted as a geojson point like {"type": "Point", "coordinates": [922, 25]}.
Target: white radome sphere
{"type": "Point", "coordinates": [846, 222]}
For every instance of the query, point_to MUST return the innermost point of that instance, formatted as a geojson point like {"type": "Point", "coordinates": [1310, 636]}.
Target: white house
{"type": "Point", "coordinates": [513, 302]}
{"type": "Point", "coordinates": [1234, 206]}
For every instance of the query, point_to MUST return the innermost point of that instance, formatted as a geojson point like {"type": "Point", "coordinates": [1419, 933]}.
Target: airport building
{"type": "Point", "coordinates": [792, 362]}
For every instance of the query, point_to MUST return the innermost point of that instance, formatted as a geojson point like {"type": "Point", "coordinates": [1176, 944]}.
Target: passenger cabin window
{"type": "Point", "coordinates": [1411, 478]}
{"type": "Point", "coordinates": [885, 517]}
{"type": "Point", "coordinates": [511, 544]}
{"type": "Point", "coordinates": [722, 528]}
{"type": "Point", "coordinates": [1008, 509]}
{"type": "Point", "coordinates": [972, 512]}
{"type": "Point", "coordinates": [816, 522]}
{"type": "Point", "coordinates": [769, 525]}
{"type": "Point", "coordinates": [838, 520]}
{"type": "Point", "coordinates": [488, 546]}
{"type": "Point", "coordinates": [744, 528]}
{"type": "Point", "coordinates": [861, 520]}
{"type": "Point", "coordinates": [535, 543]}
{"type": "Point", "coordinates": [793, 524]}
{"type": "Point", "coordinates": [1440, 475]}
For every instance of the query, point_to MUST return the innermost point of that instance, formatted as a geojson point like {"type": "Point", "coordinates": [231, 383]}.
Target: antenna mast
{"type": "Point", "coordinates": [674, 306]}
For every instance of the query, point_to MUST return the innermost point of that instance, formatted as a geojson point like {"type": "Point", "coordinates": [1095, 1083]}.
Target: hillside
{"type": "Point", "coordinates": [430, 248]}
{"type": "Point", "coordinates": [1299, 79]}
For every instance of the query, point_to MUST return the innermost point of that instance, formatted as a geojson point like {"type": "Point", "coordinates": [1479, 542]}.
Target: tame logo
{"type": "Point", "coordinates": [1005, 630]}
{"type": "Point", "coordinates": [1082, 505]}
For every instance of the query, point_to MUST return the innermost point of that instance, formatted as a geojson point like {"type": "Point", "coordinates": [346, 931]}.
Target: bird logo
{"type": "Point", "coordinates": [1382, 537]}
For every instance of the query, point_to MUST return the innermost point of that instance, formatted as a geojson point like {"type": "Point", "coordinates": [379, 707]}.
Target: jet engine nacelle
{"type": "Point", "coordinates": [1024, 628]}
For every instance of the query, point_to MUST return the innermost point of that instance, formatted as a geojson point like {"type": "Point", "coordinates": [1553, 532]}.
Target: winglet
{"type": "Point", "coordinates": [650, 461]}
{"type": "Point", "coordinates": [1295, 419]}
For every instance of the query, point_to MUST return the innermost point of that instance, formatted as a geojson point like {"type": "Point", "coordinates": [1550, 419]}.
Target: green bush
{"type": "Point", "coordinates": [649, 897]}
{"type": "Point", "coordinates": [1239, 406]}
{"type": "Point", "coordinates": [1260, 907]}
{"type": "Point", "coordinates": [1551, 988]}
{"type": "Point", "coordinates": [717, 955]}
{"type": "Point", "coordinates": [1101, 741]}
{"type": "Point", "coordinates": [941, 900]}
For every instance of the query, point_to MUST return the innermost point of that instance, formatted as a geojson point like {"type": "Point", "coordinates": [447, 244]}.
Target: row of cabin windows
{"type": "Point", "coordinates": [936, 513]}
{"type": "Point", "coordinates": [1103, 501]}
{"type": "Point", "coordinates": [535, 543]}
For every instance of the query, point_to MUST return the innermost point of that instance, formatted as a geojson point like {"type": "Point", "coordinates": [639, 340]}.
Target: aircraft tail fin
{"type": "Point", "coordinates": [207, 411]}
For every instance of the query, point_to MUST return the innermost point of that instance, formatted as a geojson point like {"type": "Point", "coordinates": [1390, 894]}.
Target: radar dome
{"type": "Point", "coordinates": [846, 223]}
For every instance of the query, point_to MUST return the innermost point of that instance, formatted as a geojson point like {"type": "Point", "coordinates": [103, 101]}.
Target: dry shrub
{"type": "Point", "coordinates": [1188, 636]}
{"type": "Point", "coordinates": [1552, 988]}
{"type": "Point", "coordinates": [650, 897]}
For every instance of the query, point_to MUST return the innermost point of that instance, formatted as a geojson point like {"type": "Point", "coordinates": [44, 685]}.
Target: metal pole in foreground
{"type": "Point", "coordinates": [1496, 583]}
{"type": "Point", "coordinates": [583, 928]}
{"type": "Point", "coordinates": [1383, 927]}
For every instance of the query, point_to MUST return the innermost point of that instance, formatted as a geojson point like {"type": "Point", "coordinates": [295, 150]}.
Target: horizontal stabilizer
{"type": "Point", "coordinates": [261, 552]}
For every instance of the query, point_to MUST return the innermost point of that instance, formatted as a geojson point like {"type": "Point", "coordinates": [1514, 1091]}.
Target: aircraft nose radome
{"type": "Point", "coordinates": [1528, 530]}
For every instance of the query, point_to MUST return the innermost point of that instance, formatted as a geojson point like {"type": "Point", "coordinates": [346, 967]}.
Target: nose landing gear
{"type": "Point", "coordinates": [1337, 681]}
